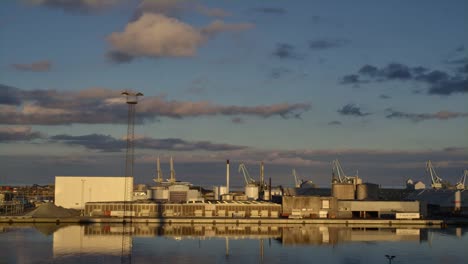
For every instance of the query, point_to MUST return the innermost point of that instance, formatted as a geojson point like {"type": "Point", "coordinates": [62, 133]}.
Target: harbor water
{"type": "Point", "coordinates": [147, 243]}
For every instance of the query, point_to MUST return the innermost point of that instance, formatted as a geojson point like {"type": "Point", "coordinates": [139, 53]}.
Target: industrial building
{"type": "Point", "coordinates": [75, 191]}
{"type": "Point", "coordinates": [201, 209]}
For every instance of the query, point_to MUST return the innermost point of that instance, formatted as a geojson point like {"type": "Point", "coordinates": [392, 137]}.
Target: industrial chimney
{"type": "Point", "coordinates": [227, 176]}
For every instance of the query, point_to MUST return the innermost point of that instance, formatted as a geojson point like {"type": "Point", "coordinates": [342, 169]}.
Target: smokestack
{"type": "Point", "coordinates": [227, 176]}
{"type": "Point", "coordinates": [158, 171]}
{"type": "Point", "coordinates": [172, 180]}
{"type": "Point", "coordinates": [262, 177]}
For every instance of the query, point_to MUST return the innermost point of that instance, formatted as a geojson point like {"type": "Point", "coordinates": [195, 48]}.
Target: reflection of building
{"type": "Point", "coordinates": [318, 235]}
{"type": "Point", "coordinates": [75, 192]}
{"type": "Point", "coordinates": [77, 239]}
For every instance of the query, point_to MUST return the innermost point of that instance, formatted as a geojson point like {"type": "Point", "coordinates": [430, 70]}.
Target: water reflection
{"type": "Point", "coordinates": [223, 243]}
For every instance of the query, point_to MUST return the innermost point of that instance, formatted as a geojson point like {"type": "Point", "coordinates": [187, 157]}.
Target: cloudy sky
{"type": "Point", "coordinates": [380, 85]}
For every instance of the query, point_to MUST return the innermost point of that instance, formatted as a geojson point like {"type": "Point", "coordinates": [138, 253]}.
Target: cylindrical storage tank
{"type": "Point", "coordinates": [367, 191]}
{"type": "Point", "coordinates": [158, 193]}
{"type": "Point", "coordinates": [226, 197]}
{"type": "Point", "coordinates": [343, 191]}
{"type": "Point", "coordinates": [251, 191]}
{"type": "Point", "coordinates": [219, 191]}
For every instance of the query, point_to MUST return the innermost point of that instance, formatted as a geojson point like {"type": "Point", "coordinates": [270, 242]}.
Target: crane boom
{"type": "Point", "coordinates": [461, 183]}
{"type": "Point", "coordinates": [436, 181]}
{"type": "Point", "coordinates": [245, 172]}
{"type": "Point", "coordinates": [338, 174]}
{"type": "Point", "coordinates": [297, 183]}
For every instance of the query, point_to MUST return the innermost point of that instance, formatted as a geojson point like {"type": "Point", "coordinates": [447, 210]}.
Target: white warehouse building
{"type": "Point", "coordinates": [75, 191]}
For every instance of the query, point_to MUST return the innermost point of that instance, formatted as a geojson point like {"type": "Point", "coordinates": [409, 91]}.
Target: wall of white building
{"type": "Point", "coordinates": [75, 191]}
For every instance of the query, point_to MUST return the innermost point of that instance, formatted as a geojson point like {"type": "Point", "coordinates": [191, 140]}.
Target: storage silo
{"type": "Point", "coordinates": [367, 191]}
{"type": "Point", "coordinates": [158, 193]}
{"type": "Point", "coordinates": [219, 191]}
{"type": "Point", "coordinates": [343, 191]}
{"type": "Point", "coordinates": [251, 191]}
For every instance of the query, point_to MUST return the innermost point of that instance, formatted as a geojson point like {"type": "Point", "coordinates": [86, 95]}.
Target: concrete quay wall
{"type": "Point", "coordinates": [226, 221]}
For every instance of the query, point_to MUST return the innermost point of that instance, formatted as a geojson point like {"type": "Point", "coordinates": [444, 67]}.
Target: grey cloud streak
{"type": "Point", "coordinates": [38, 66]}
{"type": "Point", "coordinates": [105, 106]}
{"type": "Point", "coordinates": [438, 82]}
{"type": "Point", "coordinates": [22, 133]}
{"type": "Point", "coordinates": [352, 110]}
{"type": "Point", "coordinates": [417, 117]}
{"type": "Point", "coordinates": [77, 6]}
{"type": "Point", "coordinates": [107, 143]}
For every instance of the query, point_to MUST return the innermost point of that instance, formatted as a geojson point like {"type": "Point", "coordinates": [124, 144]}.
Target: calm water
{"type": "Point", "coordinates": [49, 243]}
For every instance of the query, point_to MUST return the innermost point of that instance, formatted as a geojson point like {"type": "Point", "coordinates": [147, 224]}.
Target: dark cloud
{"type": "Point", "coordinates": [384, 96]}
{"type": "Point", "coordinates": [279, 72]}
{"type": "Point", "coordinates": [322, 44]}
{"type": "Point", "coordinates": [13, 134]}
{"type": "Point", "coordinates": [38, 66]}
{"type": "Point", "coordinates": [352, 110]}
{"type": "Point", "coordinates": [9, 95]}
{"type": "Point", "coordinates": [438, 82]}
{"type": "Point", "coordinates": [270, 10]}
{"type": "Point", "coordinates": [100, 142]}
{"type": "Point", "coordinates": [286, 51]}
{"type": "Point", "coordinates": [105, 106]}
{"type": "Point", "coordinates": [449, 87]}
{"type": "Point", "coordinates": [77, 6]}
{"type": "Point", "coordinates": [369, 70]}
{"type": "Point", "coordinates": [460, 48]}
{"type": "Point", "coordinates": [237, 120]}
{"type": "Point", "coordinates": [106, 143]}
{"type": "Point", "coordinates": [352, 79]}
{"type": "Point", "coordinates": [390, 72]}
{"type": "Point", "coordinates": [334, 123]}
{"type": "Point", "coordinates": [119, 57]}
{"type": "Point", "coordinates": [417, 117]}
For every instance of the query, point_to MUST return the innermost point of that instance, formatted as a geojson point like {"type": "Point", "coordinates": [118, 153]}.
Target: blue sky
{"type": "Point", "coordinates": [380, 85]}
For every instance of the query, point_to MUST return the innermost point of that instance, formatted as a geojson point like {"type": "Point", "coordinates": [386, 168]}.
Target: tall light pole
{"type": "Point", "coordinates": [132, 100]}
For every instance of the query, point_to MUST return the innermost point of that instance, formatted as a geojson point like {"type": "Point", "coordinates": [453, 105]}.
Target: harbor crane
{"type": "Point", "coordinates": [436, 181]}
{"type": "Point", "coordinates": [297, 182]}
{"type": "Point", "coordinates": [338, 175]}
{"type": "Point", "coordinates": [245, 172]}
{"type": "Point", "coordinates": [461, 183]}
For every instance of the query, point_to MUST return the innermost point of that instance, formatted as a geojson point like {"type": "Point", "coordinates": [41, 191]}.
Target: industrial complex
{"type": "Point", "coordinates": [348, 196]}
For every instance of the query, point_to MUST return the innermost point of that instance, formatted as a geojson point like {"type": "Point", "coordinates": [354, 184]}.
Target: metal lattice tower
{"type": "Point", "coordinates": [132, 100]}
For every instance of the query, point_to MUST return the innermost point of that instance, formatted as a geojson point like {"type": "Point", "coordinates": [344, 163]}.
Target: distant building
{"type": "Point", "coordinates": [411, 185]}
{"type": "Point", "coordinates": [75, 191]}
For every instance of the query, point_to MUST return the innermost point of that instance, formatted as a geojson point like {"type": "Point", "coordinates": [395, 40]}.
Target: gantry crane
{"type": "Point", "coordinates": [436, 181]}
{"type": "Point", "coordinates": [461, 183]}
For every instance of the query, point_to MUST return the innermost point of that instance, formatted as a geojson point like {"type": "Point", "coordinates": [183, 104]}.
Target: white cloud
{"type": "Point", "coordinates": [156, 35]}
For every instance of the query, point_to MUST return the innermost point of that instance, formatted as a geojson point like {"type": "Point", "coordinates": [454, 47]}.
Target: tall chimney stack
{"type": "Point", "coordinates": [227, 176]}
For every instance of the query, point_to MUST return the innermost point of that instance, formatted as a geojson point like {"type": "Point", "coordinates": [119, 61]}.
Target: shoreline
{"type": "Point", "coordinates": [235, 221]}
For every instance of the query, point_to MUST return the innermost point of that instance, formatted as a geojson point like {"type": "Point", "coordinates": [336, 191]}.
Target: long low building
{"type": "Point", "coordinates": [150, 208]}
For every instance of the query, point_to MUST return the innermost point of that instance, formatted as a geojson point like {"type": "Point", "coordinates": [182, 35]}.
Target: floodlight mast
{"type": "Point", "coordinates": [132, 100]}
